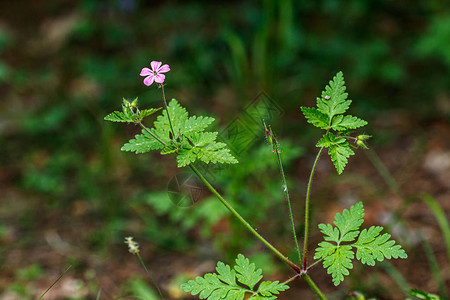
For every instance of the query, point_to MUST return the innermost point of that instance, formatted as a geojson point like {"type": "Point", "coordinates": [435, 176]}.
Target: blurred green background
{"type": "Point", "coordinates": [69, 196]}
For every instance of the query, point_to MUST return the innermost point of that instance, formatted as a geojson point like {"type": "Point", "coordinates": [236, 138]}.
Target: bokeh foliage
{"type": "Point", "coordinates": [66, 64]}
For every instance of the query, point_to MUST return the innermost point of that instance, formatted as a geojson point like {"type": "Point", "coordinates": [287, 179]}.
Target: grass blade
{"type": "Point", "coordinates": [441, 219]}
{"type": "Point", "coordinates": [60, 276]}
{"type": "Point", "coordinates": [396, 275]}
{"type": "Point", "coordinates": [434, 266]}
{"type": "Point", "coordinates": [98, 295]}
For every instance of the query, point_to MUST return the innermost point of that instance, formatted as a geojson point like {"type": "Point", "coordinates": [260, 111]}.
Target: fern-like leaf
{"type": "Point", "coordinates": [130, 113]}
{"type": "Point", "coordinates": [338, 148]}
{"type": "Point", "coordinates": [349, 222]}
{"type": "Point", "coordinates": [339, 263]}
{"type": "Point", "coordinates": [329, 116]}
{"type": "Point", "coordinates": [118, 116]}
{"type": "Point", "coordinates": [369, 244]}
{"type": "Point", "coordinates": [372, 246]}
{"type": "Point", "coordinates": [234, 283]}
{"type": "Point", "coordinates": [341, 123]}
{"type": "Point", "coordinates": [188, 140]}
{"type": "Point", "coordinates": [334, 98]}
{"type": "Point", "coordinates": [147, 112]}
{"type": "Point", "coordinates": [270, 288]}
{"type": "Point", "coordinates": [316, 118]}
{"type": "Point", "coordinates": [142, 143]}
{"type": "Point", "coordinates": [247, 273]}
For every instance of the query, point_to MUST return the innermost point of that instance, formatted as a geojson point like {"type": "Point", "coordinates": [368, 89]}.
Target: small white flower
{"type": "Point", "coordinates": [133, 247]}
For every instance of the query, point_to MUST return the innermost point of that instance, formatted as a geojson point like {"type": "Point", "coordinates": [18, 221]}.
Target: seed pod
{"type": "Point", "coordinates": [363, 137]}
{"type": "Point", "coordinates": [361, 144]}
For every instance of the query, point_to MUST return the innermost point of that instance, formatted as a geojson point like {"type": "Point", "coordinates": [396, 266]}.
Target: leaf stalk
{"type": "Point", "coordinates": [307, 201]}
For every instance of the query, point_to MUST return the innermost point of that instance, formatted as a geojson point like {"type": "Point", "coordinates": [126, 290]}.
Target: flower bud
{"type": "Point", "coordinates": [363, 137]}
{"type": "Point", "coordinates": [269, 136]}
{"type": "Point", "coordinates": [361, 144]}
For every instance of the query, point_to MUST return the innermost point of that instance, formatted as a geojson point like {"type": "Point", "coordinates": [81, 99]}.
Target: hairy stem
{"type": "Point", "coordinates": [167, 110]}
{"type": "Point", "coordinates": [314, 287]}
{"type": "Point", "coordinates": [152, 134]}
{"type": "Point", "coordinates": [149, 275]}
{"type": "Point", "coordinates": [286, 194]}
{"type": "Point", "coordinates": [243, 221]}
{"type": "Point", "coordinates": [292, 279]}
{"type": "Point", "coordinates": [313, 264]}
{"type": "Point", "coordinates": [308, 193]}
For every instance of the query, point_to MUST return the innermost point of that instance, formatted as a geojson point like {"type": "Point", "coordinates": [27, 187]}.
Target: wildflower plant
{"type": "Point", "coordinates": [186, 137]}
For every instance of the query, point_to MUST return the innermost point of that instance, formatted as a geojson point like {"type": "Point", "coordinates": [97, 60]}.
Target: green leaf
{"type": "Point", "coordinates": [202, 139]}
{"type": "Point", "coordinates": [194, 124]}
{"type": "Point", "coordinates": [142, 143]}
{"type": "Point", "coordinates": [203, 146]}
{"type": "Point", "coordinates": [190, 142]}
{"type": "Point", "coordinates": [339, 263]}
{"type": "Point", "coordinates": [118, 116]}
{"type": "Point", "coordinates": [185, 157]}
{"type": "Point", "coordinates": [329, 139]}
{"type": "Point", "coordinates": [329, 116]}
{"type": "Point", "coordinates": [339, 154]}
{"type": "Point", "coordinates": [211, 287]}
{"type": "Point", "coordinates": [325, 249]}
{"type": "Point", "coordinates": [349, 222]}
{"type": "Point", "coordinates": [341, 123]}
{"type": "Point", "coordinates": [178, 117]}
{"type": "Point", "coordinates": [216, 153]}
{"type": "Point", "coordinates": [339, 150]}
{"type": "Point", "coordinates": [130, 113]}
{"type": "Point", "coordinates": [193, 142]}
{"type": "Point", "coordinates": [315, 117]}
{"type": "Point", "coordinates": [147, 112]}
{"type": "Point", "coordinates": [370, 245]}
{"type": "Point", "coordinates": [269, 288]}
{"type": "Point", "coordinates": [331, 233]}
{"type": "Point", "coordinates": [337, 102]}
{"type": "Point", "coordinates": [224, 283]}
{"type": "Point", "coordinates": [226, 274]}
{"type": "Point", "coordinates": [246, 272]}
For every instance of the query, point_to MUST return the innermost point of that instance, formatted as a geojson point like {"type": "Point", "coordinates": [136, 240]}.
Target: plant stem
{"type": "Point", "coordinates": [167, 110]}
{"type": "Point", "coordinates": [292, 278]}
{"type": "Point", "coordinates": [149, 275]}
{"type": "Point", "coordinates": [243, 221]}
{"type": "Point", "coordinates": [286, 194]}
{"type": "Point", "coordinates": [313, 286]}
{"type": "Point", "coordinates": [152, 134]}
{"type": "Point", "coordinates": [313, 264]}
{"type": "Point", "coordinates": [308, 193]}
{"type": "Point", "coordinates": [60, 276]}
{"type": "Point", "coordinates": [230, 208]}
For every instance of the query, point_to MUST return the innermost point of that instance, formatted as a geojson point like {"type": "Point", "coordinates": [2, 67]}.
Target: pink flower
{"type": "Point", "coordinates": [155, 73]}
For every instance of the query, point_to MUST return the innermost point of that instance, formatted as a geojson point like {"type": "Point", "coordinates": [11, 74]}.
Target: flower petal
{"type": "Point", "coordinates": [146, 72]}
{"type": "Point", "coordinates": [155, 65]}
{"type": "Point", "coordinates": [163, 69]}
{"type": "Point", "coordinates": [159, 78]}
{"type": "Point", "coordinates": [149, 80]}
